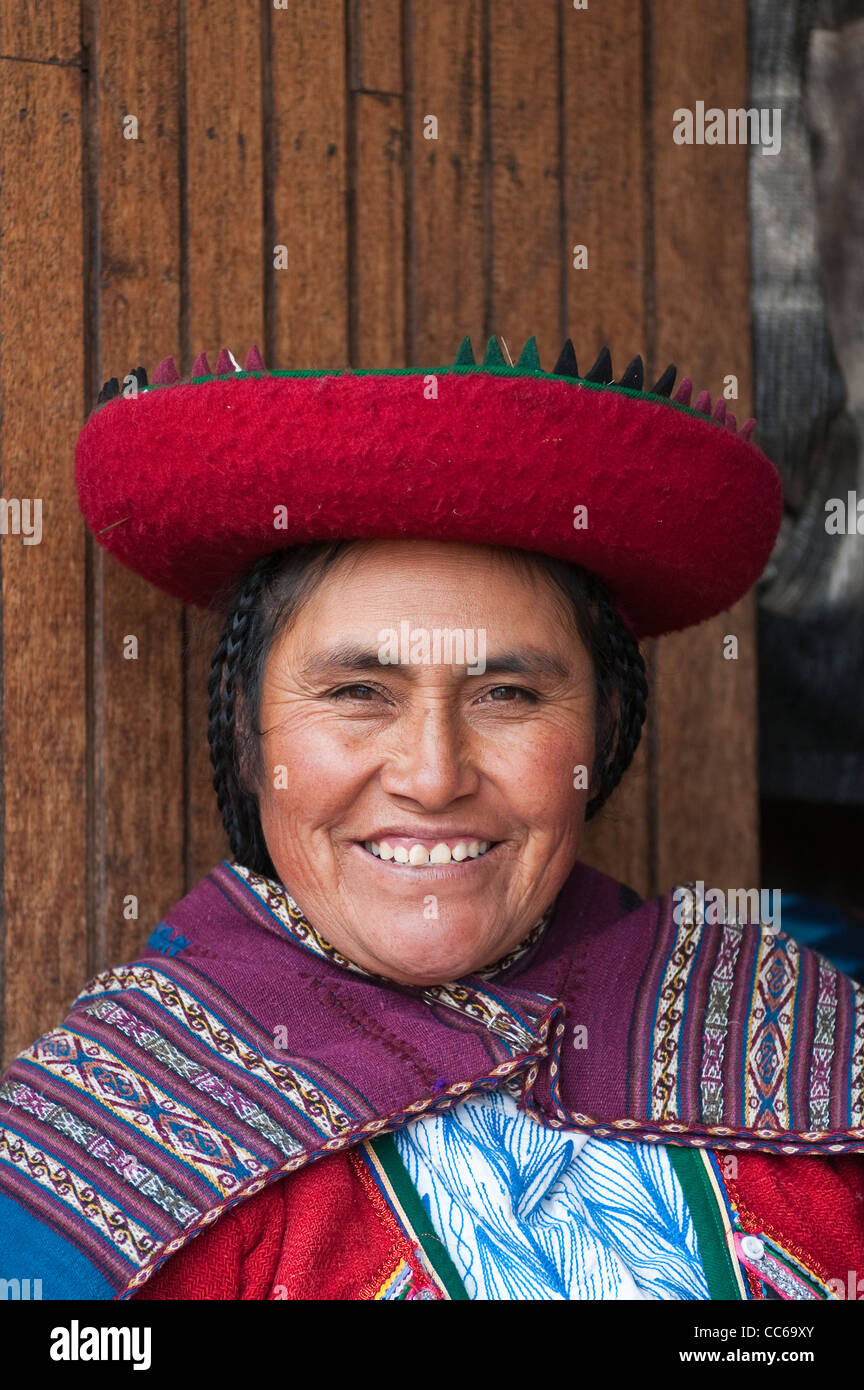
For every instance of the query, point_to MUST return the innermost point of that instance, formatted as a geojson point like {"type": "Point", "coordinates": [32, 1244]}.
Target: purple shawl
{"type": "Point", "coordinates": [239, 1046]}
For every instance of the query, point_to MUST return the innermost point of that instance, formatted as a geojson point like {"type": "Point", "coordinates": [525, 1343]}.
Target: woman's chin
{"type": "Point", "coordinates": [431, 951]}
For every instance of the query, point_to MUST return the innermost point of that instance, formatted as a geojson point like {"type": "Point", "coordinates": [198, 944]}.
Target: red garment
{"type": "Point", "coordinates": [812, 1206]}
{"type": "Point", "coordinates": [325, 1232]}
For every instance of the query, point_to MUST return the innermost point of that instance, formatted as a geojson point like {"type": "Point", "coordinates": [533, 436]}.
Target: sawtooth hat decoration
{"type": "Point", "coordinates": [187, 482]}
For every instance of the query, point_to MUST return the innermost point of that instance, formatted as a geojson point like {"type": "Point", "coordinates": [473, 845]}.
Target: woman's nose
{"type": "Point", "coordinates": [432, 762]}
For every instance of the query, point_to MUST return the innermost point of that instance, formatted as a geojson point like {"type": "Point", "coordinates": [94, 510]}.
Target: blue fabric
{"type": "Point", "coordinates": [528, 1212]}
{"type": "Point", "coordinates": [826, 928]}
{"type": "Point", "coordinates": [31, 1250]}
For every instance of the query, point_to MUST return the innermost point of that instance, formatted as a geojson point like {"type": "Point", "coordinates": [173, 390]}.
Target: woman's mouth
{"type": "Point", "coordinates": [427, 853]}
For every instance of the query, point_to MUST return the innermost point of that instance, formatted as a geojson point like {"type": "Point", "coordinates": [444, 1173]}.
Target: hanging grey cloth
{"type": "Point", "coordinates": [807, 217]}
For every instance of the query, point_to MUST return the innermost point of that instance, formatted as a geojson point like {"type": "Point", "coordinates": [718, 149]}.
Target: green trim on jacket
{"type": "Point", "coordinates": [421, 1227]}
{"type": "Point", "coordinates": [700, 1195]}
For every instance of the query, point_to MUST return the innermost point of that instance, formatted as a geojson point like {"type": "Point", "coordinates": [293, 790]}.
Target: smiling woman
{"type": "Point", "coordinates": [369, 786]}
{"type": "Point", "coordinates": [403, 1044]}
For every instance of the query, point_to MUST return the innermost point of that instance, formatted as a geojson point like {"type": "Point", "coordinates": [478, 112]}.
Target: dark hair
{"type": "Point", "coordinates": [269, 596]}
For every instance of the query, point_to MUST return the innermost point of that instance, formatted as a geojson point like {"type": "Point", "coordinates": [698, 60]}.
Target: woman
{"type": "Point", "coordinates": [403, 1044]}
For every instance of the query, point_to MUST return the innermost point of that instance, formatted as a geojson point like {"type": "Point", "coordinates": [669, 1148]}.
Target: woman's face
{"type": "Point", "coordinates": [427, 758]}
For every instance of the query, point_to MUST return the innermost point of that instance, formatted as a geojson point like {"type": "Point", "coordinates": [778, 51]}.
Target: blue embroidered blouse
{"type": "Point", "coordinates": [528, 1212]}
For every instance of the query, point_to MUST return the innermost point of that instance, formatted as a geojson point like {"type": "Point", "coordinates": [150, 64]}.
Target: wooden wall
{"type": "Point", "coordinates": [303, 126]}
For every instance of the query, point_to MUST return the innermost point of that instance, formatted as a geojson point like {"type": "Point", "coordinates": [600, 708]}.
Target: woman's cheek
{"type": "Point", "coordinates": [317, 754]}
{"type": "Point", "coordinates": [539, 767]}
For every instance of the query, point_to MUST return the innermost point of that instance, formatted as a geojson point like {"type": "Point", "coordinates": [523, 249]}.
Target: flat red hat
{"type": "Point", "coordinates": [188, 482]}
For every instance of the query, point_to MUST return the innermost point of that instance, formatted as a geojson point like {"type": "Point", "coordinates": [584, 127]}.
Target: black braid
{"type": "Point", "coordinates": [237, 807]}
{"type": "Point", "coordinates": [624, 675]}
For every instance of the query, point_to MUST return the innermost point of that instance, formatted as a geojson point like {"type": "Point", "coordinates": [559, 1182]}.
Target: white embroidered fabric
{"type": "Point", "coordinates": [528, 1212]}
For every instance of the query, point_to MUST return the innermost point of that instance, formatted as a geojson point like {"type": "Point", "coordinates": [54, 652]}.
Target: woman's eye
{"type": "Point", "coordinates": [508, 694]}
{"type": "Point", "coordinates": [355, 692]}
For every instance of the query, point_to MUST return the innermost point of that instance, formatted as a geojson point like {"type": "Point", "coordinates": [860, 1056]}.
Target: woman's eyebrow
{"type": "Point", "coordinates": [356, 656]}
{"type": "Point", "coordinates": [344, 656]}
{"type": "Point", "coordinates": [528, 661]}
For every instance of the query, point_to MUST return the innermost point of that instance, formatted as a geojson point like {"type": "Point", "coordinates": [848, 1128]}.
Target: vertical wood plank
{"type": "Point", "coordinates": [378, 157]}
{"type": "Point", "coordinates": [606, 211]}
{"type": "Point", "coordinates": [603, 172]}
{"type": "Point", "coordinates": [224, 196]}
{"type": "Point", "coordinates": [43, 33]}
{"type": "Point", "coordinates": [446, 179]}
{"type": "Point", "coordinates": [137, 746]}
{"type": "Point", "coordinates": [306, 113]}
{"type": "Point", "coordinates": [706, 705]}
{"type": "Point", "coordinates": [526, 274]}
{"type": "Point", "coordinates": [44, 677]}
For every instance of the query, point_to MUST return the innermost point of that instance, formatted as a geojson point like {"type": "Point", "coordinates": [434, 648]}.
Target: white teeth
{"type": "Point", "coordinates": [419, 856]}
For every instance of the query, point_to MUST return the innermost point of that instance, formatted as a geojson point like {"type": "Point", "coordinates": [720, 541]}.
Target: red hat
{"type": "Point", "coordinates": [188, 482]}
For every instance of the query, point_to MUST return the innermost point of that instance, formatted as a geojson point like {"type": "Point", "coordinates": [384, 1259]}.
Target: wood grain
{"type": "Point", "coordinates": [706, 705]}
{"type": "Point", "coordinates": [228, 269]}
{"type": "Point", "coordinates": [44, 655]}
{"type": "Point", "coordinates": [42, 33]}
{"type": "Point", "coordinates": [136, 748]}
{"type": "Point", "coordinates": [377, 249]}
{"type": "Point", "coordinates": [306, 122]}
{"type": "Point", "coordinates": [525, 271]}
{"type": "Point", "coordinates": [607, 210]}
{"type": "Point", "coordinates": [447, 180]}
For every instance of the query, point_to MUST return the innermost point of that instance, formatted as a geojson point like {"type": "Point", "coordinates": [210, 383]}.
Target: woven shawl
{"type": "Point", "coordinates": [240, 1046]}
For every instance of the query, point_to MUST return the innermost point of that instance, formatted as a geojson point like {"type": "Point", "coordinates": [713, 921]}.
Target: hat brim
{"type": "Point", "coordinates": [187, 484]}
